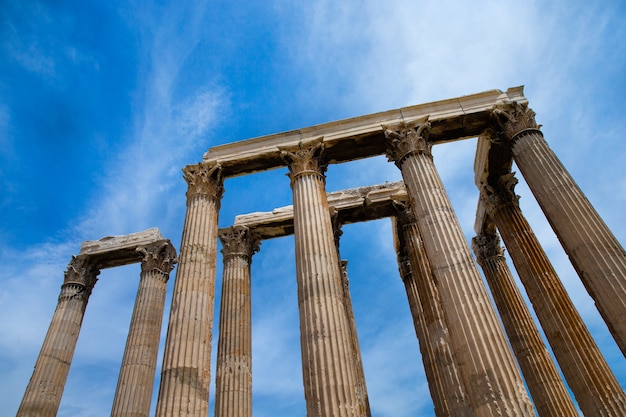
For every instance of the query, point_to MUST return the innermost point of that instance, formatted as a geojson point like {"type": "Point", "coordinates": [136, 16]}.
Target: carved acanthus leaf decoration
{"type": "Point", "coordinates": [407, 139]}
{"type": "Point", "coordinates": [502, 193]}
{"type": "Point", "coordinates": [160, 256]}
{"type": "Point", "coordinates": [487, 246]}
{"type": "Point", "coordinates": [239, 241]}
{"type": "Point", "coordinates": [204, 180]}
{"type": "Point", "coordinates": [512, 120]}
{"type": "Point", "coordinates": [80, 278]}
{"type": "Point", "coordinates": [306, 157]}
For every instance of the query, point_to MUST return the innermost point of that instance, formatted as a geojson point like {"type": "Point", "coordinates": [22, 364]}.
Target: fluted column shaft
{"type": "Point", "coordinates": [435, 338]}
{"type": "Point", "coordinates": [136, 380]}
{"type": "Point", "coordinates": [595, 253]}
{"type": "Point", "coordinates": [587, 373]}
{"type": "Point", "coordinates": [185, 374]}
{"type": "Point", "coordinates": [354, 340]}
{"type": "Point", "coordinates": [542, 377]}
{"type": "Point", "coordinates": [45, 388]}
{"type": "Point", "coordinates": [486, 363]}
{"type": "Point", "coordinates": [435, 386]}
{"type": "Point", "coordinates": [329, 373]}
{"type": "Point", "coordinates": [233, 396]}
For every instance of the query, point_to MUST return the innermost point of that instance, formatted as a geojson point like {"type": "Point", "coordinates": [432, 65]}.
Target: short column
{"type": "Point", "coordinates": [542, 377]}
{"type": "Point", "coordinates": [233, 396]}
{"type": "Point", "coordinates": [134, 386]}
{"type": "Point", "coordinates": [425, 303]}
{"type": "Point", "coordinates": [486, 364]}
{"type": "Point", "coordinates": [328, 370]}
{"type": "Point", "coordinates": [44, 391]}
{"type": "Point", "coordinates": [185, 375]}
{"type": "Point", "coordinates": [595, 253]}
{"type": "Point", "coordinates": [587, 373]}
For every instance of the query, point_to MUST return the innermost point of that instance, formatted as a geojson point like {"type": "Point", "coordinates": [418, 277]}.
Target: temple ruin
{"type": "Point", "coordinates": [480, 359]}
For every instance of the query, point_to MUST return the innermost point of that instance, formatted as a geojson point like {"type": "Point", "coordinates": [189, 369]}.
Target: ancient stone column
{"type": "Point", "coordinates": [233, 396]}
{"type": "Point", "coordinates": [354, 339]}
{"type": "Point", "coordinates": [587, 373]}
{"type": "Point", "coordinates": [44, 391]}
{"type": "Point", "coordinates": [328, 369]}
{"type": "Point", "coordinates": [435, 339]}
{"type": "Point", "coordinates": [595, 253]}
{"type": "Point", "coordinates": [185, 374]}
{"type": "Point", "coordinates": [435, 385]}
{"type": "Point", "coordinates": [542, 377]}
{"type": "Point", "coordinates": [134, 386]}
{"type": "Point", "coordinates": [486, 364]}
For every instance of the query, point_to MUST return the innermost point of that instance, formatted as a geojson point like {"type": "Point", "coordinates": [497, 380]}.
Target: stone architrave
{"type": "Point", "coordinates": [133, 394]}
{"type": "Point", "coordinates": [486, 364]}
{"type": "Point", "coordinates": [329, 373]}
{"type": "Point", "coordinates": [435, 339]}
{"type": "Point", "coordinates": [233, 396]}
{"type": "Point", "coordinates": [540, 373]}
{"type": "Point", "coordinates": [44, 391]}
{"type": "Point", "coordinates": [595, 387]}
{"type": "Point", "coordinates": [595, 253]}
{"type": "Point", "coordinates": [185, 374]}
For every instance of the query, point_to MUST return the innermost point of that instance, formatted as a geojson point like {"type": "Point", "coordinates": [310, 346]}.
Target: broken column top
{"type": "Point", "coordinates": [111, 251]}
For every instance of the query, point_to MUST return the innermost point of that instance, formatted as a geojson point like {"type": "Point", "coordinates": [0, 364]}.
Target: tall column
{"type": "Point", "coordinates": [44, 391]}
{"type": "Point", "coordinates": [185, 374]}
{"type": "Point", "coordinates": [597, 256]}
{"type": "Point", "coordinates": [486, 363]}
{"type": "Point", "coordinates": [587, 373]}
{"type": "Point", "coordinates": [328, 370]}
{"type": "Point", "coordinates": [435, 386]}
{"type": "Point", "coordinates": [542, 377]}
{"type": "Point", "coordinates": [134, 386]}
{"type": "Point", "coordinates": [233, 396]}
{"type": "Point", "coordinates": [437, 336]}
{"type": "Point", "coordinates": [361, 385]}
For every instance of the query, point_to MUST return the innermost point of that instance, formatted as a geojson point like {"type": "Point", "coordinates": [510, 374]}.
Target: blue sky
{"type": "Point", "coordinates": [103, 103]}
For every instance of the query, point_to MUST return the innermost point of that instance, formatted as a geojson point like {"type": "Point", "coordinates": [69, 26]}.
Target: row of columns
{"type": "Point", "coordinates": [475, 372]}
{"type": "Point", "coordinates": [134, 388]}
{"type": "Point", "coordinates": [471, 369]}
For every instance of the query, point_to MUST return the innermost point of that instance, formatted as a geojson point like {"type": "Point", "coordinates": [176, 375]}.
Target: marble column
{"type": "Point", "coordinates": [435, 385]}
{"type": "Point", "coordinates": [542, 377]}
{"type": "Point", "coordinates": [486, 364]}
{"type": "Point", "coordinates": [44, 391]}
{"type": "Point", "coordinates": [329, 373]}
{"type": "Point", "coordinates": [354, 339]}
{"type": "Point", "coordinates": [587, 373]}
{"type": "Point", "coordinates": [134, 386]}
{"type": "Point", "coordinates": [185, 375]}
{"type": "Point", "coordinates": [435, 339]}
{"type": "Point", "coordinates": [595, 253]}
{"type": "Point", "coordinates": [233, 396]}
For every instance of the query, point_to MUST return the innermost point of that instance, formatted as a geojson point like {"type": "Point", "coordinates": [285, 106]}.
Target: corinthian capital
{"type": "Point", "coordinates": [306, 157]}
{"type": "Point", "coordinates": [80, 277]}
{"type": "Point", "coordinates": [205, 180]}
{"type": "Point", "coordinates": [160, 256]}
{"type": "Point", "coordinates": [487, 246]}
{"type": "Point", "coordinates": [404, 214]}
{"type": "Point", "coordinates": [512, 120]}
{"type": "Point", "coordinates": [239, 241]}
{"type": "Point", "coordinates": [501, 193]}
{"type": "Point", "coordinates": [407, 139]}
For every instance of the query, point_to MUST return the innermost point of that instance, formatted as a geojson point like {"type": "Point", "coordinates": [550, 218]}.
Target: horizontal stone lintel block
{"type": "Point", "coordinates": [352, 205]}
{"type": "Point", "coordinates": [112, 251]}
{"type": "Point", "coordinates": [362, 137]}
